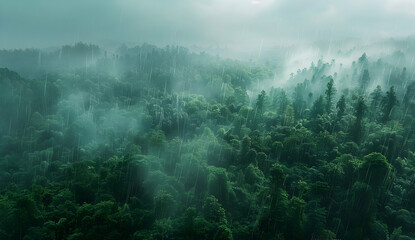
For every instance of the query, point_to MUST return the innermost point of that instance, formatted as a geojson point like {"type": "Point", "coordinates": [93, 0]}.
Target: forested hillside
{"type": "Point", "coordinates": [165, 143]}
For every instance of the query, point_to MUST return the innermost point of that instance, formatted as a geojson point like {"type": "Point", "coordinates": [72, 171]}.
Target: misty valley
{"type": "Point", "coordinates": [166, 142]}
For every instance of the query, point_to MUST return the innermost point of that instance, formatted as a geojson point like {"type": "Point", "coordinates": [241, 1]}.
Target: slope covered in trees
{"type": "Point", "coordinates": [163, 143]}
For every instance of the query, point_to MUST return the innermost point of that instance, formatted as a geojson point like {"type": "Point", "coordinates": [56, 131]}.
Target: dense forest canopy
{"type": "Point", "coordinates": [150, 142]}
{"type": "Point", "coordinates": [207, 120]}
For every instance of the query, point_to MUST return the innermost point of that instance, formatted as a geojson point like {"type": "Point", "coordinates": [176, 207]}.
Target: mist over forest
{"type": "Point", "coordinates": [207, 120]}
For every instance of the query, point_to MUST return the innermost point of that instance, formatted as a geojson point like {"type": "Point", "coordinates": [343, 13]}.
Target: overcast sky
{"type": "Point", "coordinates": [43, 23]}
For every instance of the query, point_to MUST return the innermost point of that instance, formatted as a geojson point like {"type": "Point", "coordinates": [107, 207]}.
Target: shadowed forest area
{"type": "Point", "coordinates": [151, 142]}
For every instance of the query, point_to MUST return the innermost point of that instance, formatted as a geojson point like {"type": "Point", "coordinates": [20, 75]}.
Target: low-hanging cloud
{"type": "Point", "coordinates": [227, 23]}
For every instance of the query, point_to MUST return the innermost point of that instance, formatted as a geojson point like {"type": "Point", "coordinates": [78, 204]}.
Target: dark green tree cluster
{"type": "Point", "coordinates": [162, 143]}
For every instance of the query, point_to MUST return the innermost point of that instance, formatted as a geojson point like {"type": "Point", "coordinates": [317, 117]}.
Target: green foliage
{"type": "Point", "coordinates": [218, 184]}
{"type": "Point", "coordinates": [375, 170]}
{"type": "Point", "coordinates": [356, 130]}
{"type": "Point", "coordinates": [330, 91]}
{"type": "Point", "coordinates": [341, 107]}
{"type": "Point", "coordinates": [164, 143]}
{"type": "Point", "coordinates": [164, 204]}
{"type": "Point", "coordinates": [318, 107]}
{"type": "Point", "coordinates": [388, 102]}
